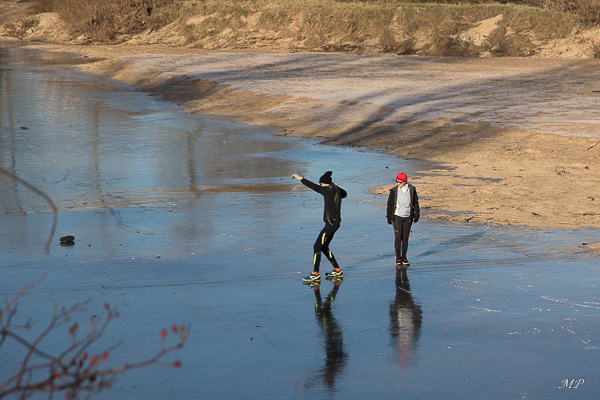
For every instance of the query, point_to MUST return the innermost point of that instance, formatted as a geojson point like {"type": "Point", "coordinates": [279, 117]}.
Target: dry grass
{"type": "Point", "coordinates": [332, 25]}
{"type": "Point", "coordinates": [101, 20]}
{"type": "Point", "coordinates": [588, 11]}
{"type": "Point", "coordinates": [388, 26]}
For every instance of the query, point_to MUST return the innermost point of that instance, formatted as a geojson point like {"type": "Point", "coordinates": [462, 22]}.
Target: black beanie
{"type": "Point", "coordinates": [326, 178]}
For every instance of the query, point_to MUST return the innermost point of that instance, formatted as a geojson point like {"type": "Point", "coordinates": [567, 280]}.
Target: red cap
{"type": "Point", "coordinates": [401, 177]}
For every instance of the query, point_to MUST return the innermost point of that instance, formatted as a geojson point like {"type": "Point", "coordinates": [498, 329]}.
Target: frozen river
{"type": "Point", "coordinates": [188, 219]}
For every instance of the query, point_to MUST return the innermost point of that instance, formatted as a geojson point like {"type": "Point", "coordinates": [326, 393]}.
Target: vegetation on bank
{"type": "Point", "coordinates": [440, 27]}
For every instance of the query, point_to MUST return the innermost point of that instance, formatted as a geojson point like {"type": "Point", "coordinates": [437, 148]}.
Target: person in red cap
{"type": "Point", "coordinates": [332, 216]}
{"type": "Point", "coordinates": [402, 210]}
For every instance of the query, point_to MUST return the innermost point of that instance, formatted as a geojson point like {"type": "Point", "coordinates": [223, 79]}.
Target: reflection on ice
{"type": "Point", "coordinates": [406, 319]}
{"type": "Point", "coordinates": [91, 143]}
{"type": "Point", "coordinates": [335, 353]}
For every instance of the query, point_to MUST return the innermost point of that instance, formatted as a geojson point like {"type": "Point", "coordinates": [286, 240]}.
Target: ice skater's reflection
{"type": "Point", "coordinates": [405, 321]}
{"type": "Point", "coordinates": [335, 355]}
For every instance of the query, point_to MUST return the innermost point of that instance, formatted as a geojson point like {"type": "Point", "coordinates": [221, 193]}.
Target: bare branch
{"type": "Point", "coordinates": [591, 147]}
{"type": "Point", "coordinates": [42, 195]}
{"type": "Point", "coordinates": [73, 371]}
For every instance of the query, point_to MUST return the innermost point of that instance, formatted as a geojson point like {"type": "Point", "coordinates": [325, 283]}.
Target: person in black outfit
{"type": "Point", "coordinates": [332, 197]}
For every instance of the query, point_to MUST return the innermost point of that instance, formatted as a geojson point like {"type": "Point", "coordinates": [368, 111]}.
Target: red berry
{"type": "Point", "coordinates": [177, 363]}
{"type": "Point", "coordinates": [73, 328]}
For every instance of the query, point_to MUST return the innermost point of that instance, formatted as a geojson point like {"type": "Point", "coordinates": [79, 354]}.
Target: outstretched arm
{"type": "Point", "coordinates": [314, 186]}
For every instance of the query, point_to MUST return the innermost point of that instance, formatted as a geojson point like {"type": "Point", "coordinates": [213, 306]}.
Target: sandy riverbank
{"type": "Point", "coordinates": [512, 141]}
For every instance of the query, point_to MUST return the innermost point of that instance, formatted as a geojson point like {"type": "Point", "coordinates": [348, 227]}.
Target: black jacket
{"type": "Point", "coordinates": [332, 197]}
{"type": "Point", "coordinates": [415, 210]}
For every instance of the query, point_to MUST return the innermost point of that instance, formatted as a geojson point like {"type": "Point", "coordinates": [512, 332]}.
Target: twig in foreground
{"type": "Point", "coordinates": [42, 195]}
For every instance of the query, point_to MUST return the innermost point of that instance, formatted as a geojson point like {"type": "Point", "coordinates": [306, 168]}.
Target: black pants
{"type": "Point", "coordinates": [401, 232]}
{"type": "Point", "coordinates": [322, 245]}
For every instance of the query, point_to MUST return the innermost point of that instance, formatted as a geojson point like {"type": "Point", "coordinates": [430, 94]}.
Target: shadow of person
{"type": "Point", "coordinates": [406, 318]}
{"type": "Point", "coordinates": [335, 354]}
